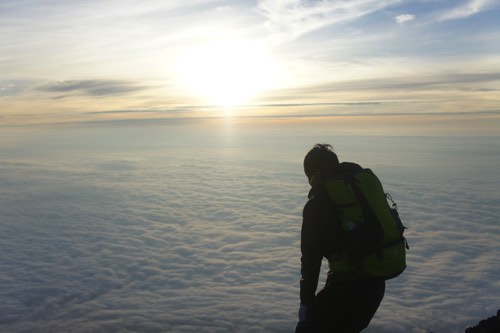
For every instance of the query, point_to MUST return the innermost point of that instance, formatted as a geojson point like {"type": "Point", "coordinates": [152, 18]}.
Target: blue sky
{"type": "Point", "coordinates": [89, 60]}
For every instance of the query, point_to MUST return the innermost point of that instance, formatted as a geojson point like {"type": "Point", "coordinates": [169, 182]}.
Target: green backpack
{"type": "Point", "coordinates": [373, 232]}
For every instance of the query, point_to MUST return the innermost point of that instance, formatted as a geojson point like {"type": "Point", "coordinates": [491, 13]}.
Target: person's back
{"type": "Point", "coordinates": [348, 301]}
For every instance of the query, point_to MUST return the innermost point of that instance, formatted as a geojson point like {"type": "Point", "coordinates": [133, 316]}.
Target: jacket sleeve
{"type": "Point", "coordinates": [312, 254]}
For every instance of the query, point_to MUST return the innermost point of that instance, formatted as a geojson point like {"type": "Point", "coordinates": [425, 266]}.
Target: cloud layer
{"type": "Point", "coordinates": [158, 230]}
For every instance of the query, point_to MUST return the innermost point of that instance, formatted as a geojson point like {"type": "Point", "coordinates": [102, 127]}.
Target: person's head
{"type": "Point", "coordinates": [320, 158]}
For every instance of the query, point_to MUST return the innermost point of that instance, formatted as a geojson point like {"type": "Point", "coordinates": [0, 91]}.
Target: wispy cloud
{"type": "Point", "coordinates": [404, 18]}
{"type": "Point", "coordinates": [91, 87]}
{"type": "Point", "coordinates": [289, 19]}
{"type": "Point", "coordinates": [469, 8]}
{"type": "Point", "coordinates": [8, 89]}
{"type": "Point", "coordinates": [462, 81]}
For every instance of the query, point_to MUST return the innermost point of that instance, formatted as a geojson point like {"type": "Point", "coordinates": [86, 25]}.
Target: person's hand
{"type": "Point", "coordinates": [302, 312]}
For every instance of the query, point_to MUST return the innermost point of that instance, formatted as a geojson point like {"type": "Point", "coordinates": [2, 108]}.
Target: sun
{"type": "Point", "coordinates": [227, 72]}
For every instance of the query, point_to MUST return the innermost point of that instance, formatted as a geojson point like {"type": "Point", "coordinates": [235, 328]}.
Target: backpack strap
{"type": "Point", "coordinates": [365, 206]}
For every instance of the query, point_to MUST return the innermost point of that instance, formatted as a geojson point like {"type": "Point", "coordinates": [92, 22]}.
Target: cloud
{"type": "Point", "coordinates": [469, 8]}
{"type": "Point", "coordinates": [142, 269]}
{"type": "Point", "coordinates": [8, 89]}
{"type": "Point", "coordinates": [196, 231]}
{"type": "Point", "coordinates": [290, 19]}
{"type": "Point", "coordinates": [94, 88]}
{"type": "Point", "coordinates": [478, 82]}
{"type": "Point", "coordinates": [14, 87]}
{"type": "Point", "coordinates": [404, 18]}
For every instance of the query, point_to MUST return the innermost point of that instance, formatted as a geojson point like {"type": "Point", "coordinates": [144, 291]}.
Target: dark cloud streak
{"type": "Point", "coordinates": [95, 88]}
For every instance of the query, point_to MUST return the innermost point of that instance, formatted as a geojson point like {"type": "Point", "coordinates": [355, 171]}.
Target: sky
{"type": "Point", "coordinates": [151, 157]}
{"type": "Point", "coordinates": [87, 61]}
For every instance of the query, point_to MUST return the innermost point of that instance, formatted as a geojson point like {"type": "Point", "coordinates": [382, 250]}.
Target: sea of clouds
{"type": "Point", "coordinates": [171, 230]}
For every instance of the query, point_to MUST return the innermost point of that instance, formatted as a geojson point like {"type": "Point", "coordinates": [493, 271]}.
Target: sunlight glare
{"type": "Point", "coordinates": [228, 72]}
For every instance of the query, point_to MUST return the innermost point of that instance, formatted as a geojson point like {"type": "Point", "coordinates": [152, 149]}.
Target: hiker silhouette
{"type": "Point", "coordinates": [350, 297]}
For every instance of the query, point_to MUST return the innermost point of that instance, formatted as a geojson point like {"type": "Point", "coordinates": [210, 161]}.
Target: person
{"type": "Point", "coordinates": [348, 301]}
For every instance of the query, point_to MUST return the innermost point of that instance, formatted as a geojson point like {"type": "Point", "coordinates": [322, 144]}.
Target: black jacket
{"type": "Point", "coordinates": [319, 228]}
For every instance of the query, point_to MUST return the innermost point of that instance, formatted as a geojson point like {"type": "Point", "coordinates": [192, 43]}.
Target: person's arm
{"type": "Point", "coordinates": [311, 251]}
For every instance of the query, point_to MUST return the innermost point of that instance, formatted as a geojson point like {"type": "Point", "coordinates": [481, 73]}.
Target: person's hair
{"type": "Point", "coordinates": [320, 158]}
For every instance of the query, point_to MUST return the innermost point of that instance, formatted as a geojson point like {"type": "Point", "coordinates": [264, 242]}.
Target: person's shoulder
{"type": "Point", "coordinates": [316, 202]}
{"type": "Point", "coordinates": [350, 167]}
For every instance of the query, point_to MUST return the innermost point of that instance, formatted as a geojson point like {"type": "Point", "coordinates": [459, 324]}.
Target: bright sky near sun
{"type": "Point", "coordinates": [82, 60]}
